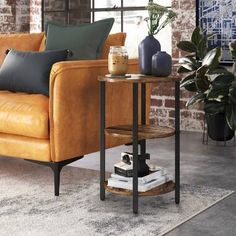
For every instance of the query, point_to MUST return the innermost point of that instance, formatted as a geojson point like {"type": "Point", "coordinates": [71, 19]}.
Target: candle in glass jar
{"type": "Point", "coordinates": [118, 60]}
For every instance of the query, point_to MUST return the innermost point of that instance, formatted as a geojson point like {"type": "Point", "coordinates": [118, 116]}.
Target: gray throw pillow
{"type": "Point", "coordinates": [85, 40]}
{"type": "Point", "coordinates": [29, 71]}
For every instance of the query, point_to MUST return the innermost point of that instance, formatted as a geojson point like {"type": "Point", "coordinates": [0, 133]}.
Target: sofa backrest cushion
{"type": "Point", "coordinates": [85, 40]}
{"type": "Point", "coordinates": [24, 42]}
{"type": "Point", "coordinates": [43, 43]}
{"type": "Point", "coordinates": [117, 39]}
{"type": "Point", "coordinates": [29, 71]}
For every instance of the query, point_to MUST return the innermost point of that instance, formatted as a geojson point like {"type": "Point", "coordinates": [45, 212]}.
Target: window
{"type": "Point", "coordinates": [129, 17]}
{"type": "Point", "coordinates": [65, 11]}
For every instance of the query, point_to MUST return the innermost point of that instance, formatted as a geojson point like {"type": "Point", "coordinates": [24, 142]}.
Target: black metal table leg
{"type": "Point", "coordinates": [135, 148]}
{"type": "Point", "coordinates": [102, 139]}
{"type": "Point", "coordinates": [177, 142]}
{"type": "Point", "coordinates": [143, 115]}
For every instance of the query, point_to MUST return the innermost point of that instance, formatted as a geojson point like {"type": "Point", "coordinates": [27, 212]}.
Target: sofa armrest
{"type": "Point", "coordinates": [74, 107]}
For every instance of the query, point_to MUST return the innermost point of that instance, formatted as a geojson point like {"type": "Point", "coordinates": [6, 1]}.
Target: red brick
{"type": "Point", "coordinates": [164, 89]}
{"type": "Point", "coordinates": [172, 113]}
{"type": "Point", "coordinates": [170, 103]}
{"type": "Point", "coordinates": [186, 114]}
{"type": "Point", "coordinates": [175, 4]}
{"type": "Point", "coordinates": [156, 102]}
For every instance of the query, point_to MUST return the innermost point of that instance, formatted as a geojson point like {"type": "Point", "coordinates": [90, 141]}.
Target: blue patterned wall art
{"type": "Point", "coordinates": [219, 17]}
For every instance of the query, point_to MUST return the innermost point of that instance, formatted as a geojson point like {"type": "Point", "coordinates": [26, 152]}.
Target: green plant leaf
{"type": "Point", "coordinates": [234, 69]}
{"type": "Point", "coordinates": [182, 69]}
{"type": "Point", "coordinates": [188, 82]}
{"type": "Point", "coordinates": [191, 86]}
{"type": "Point", "coordinates": [196, 36]}
{"type": "Point", "coordinates": [188, 60]}
{"type": "Point", "coordinates": [232, 93]}
{"type": "Point", "coordinates": [212, 58]}
{"type": "Point", "coordinates": [232, 48]}
{"type": "Point", "coordinates": [187, 67]}
{"type": "Point", "coordinates": [223, 80]}
{"type": "Point", "coordinates": [201, 71]}
{"type": "Point", "coordinates": [213, 107]}
{"type": "Point", "coordinates": [188, 77]}
{"type": "Point", "coordinates": [219, 70]}
{"type": "Point", "coordinates": [199, 97]}
{"type": "Point", "coordinates": [202, 48]}
{"type": "Point", "coordinates": [218, 94]}
{"type": "Point", "coordinates": [202, 84]}
{"type": "Point", "coordinates": [231, 115]}
{"type": "Point", "coordinates": [187, 46]}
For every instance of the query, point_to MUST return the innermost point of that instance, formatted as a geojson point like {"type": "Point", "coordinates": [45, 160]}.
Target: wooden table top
{"type": "Point", "coordinates": [138, 78]}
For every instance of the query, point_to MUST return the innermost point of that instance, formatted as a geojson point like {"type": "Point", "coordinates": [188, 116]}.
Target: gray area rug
{"type": "Point", "coordinates": [28, 207]}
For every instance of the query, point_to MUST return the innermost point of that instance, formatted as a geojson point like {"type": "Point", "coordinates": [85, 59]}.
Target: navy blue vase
{"type": "Point", "coordinates": [146, 49]}
{"type": "Point", "coordinates": [161, 64]}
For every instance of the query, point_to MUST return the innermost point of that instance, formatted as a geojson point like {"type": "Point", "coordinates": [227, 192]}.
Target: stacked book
{"type": "Point", "coordinates": [150, 181]}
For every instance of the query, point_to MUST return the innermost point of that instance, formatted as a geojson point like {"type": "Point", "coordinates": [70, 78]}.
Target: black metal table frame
{"type": "Point", "coordinates": [102, 85]}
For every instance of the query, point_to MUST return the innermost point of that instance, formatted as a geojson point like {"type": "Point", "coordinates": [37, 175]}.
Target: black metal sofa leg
{"type": "Point", "coordinates": [56, 171]}
{"type": "Point", "coordinates": [56, 168]}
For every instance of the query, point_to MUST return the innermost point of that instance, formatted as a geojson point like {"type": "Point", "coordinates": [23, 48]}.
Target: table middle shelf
{"type": "Point", "coordinates": [144, 131]}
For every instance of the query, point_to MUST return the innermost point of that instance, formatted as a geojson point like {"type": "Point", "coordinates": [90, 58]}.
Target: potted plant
{"type": "Point", "coordinates": [211, 84]}
{"type": "Point", "coordinates": [158, 17]}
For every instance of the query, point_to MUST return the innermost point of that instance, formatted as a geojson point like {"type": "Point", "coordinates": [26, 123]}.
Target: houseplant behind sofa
{"type": "Point", "coordinates": [211, 84]}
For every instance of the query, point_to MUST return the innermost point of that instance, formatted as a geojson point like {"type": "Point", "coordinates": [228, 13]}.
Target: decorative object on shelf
{"type": "Point", "coordinates": [218, 17]}
{"type": "Point", "coordinates": [147, 48]}
{"type": "Point", "coordinates": [118, 61]}
{"type": "Point", "coordinates": [214, 85]}
{"type": "Point", "coordinates": [147, 180]}
{"type": "Point", "coordinates": [159, 17]}
{"type": "Point", "coordinates": [125, 166]}
{"type": "Point", "coordinates": [146, 183]}
{"type": "Point", "coordinates": [161, 64]}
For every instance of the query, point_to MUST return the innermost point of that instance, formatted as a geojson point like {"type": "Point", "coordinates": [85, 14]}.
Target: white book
{"type": "Point", "coordinates": [144, 179]}
{"type": "Point", "coordinates": [112, 182]}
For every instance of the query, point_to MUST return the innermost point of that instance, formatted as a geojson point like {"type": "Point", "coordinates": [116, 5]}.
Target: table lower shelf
{"type": "Point", "coordinates": [162, 189]}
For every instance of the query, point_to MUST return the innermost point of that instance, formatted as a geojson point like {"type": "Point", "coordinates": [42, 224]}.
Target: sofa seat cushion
{"type": "Point", "coordinates": [24, 114]}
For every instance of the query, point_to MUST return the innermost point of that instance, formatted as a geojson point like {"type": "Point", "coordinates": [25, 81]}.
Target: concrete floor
{"type": "Point", "coordinates": [208, 165]}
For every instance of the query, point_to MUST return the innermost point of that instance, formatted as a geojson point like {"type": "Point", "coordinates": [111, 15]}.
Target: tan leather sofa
{"type": "Point", "coordinates": [63, 127]}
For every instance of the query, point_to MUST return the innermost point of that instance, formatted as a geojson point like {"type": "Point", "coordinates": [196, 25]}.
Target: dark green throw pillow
{"type": "Point", "coordinates": [85, 40]}
{"type": "Point", "coordinates": [29, 71]}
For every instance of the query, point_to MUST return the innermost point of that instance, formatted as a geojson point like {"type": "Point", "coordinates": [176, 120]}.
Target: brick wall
{"type": "Point", "coordinates": [25, 15]}
{"type": "Point", "coordinates": [7, 16]}
{"type": "Point", "coordinates": [35, 16]}
{"type": "Point", "coordinates": [22, 15]}
{"type": "Point", "coordinates": [162, 109]}
{"type": "Point", "coordinates": [14, 16]}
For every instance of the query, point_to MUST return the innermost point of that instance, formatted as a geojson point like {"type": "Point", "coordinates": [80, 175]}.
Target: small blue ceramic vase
{"type": "Point", "coordinates": [147, 48]}
{"type": "Point", "coordinates": [161, 64]}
